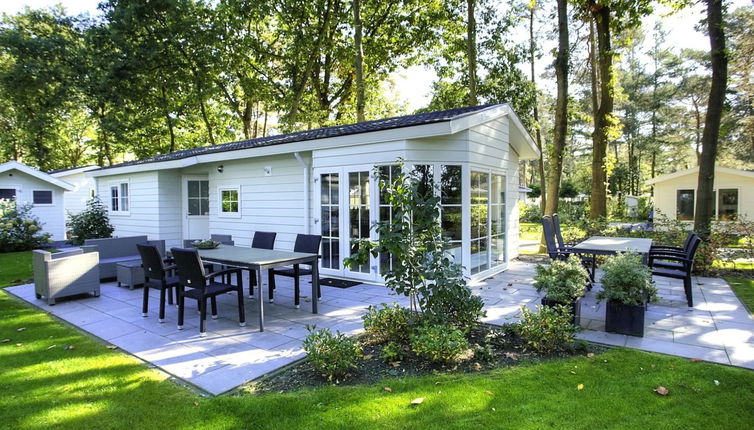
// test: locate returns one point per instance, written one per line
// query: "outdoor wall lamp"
(220, 168)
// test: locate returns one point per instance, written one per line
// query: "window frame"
(220, 212)
(52, 197)
(717, 202)
(119, 186)
(693, 204)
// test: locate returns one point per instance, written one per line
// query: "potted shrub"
(626, 286)
(564, 283)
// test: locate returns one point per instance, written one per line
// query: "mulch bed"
(373, 369)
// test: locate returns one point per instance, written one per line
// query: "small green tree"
(19, 229)
(91, 223)
(423, 267)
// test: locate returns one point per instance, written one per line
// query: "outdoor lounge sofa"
(117, 250)
(65, 274)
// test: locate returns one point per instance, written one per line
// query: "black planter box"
(575, 308)
(625, 319)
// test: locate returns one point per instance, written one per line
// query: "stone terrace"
(717, 329)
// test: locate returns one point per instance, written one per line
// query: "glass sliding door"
(359, 221)
(497, 220)
(330, 219)
(479, 231)
(387, 175)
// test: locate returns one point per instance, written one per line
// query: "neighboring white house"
(84, 187)
(45, 192)
(323, 181)
(675, 193)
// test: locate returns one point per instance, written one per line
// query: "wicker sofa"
(65, 274)
(117, 250)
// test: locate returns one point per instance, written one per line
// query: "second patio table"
(262, 260)
(603, 245)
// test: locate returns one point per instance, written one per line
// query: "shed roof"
(695, 171)
(527, 144)
(15, 165)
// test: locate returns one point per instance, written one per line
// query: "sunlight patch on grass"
(15, 268)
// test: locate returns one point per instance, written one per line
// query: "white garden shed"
(323, 181)
(44, 192)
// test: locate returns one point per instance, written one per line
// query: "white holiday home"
(323, 181)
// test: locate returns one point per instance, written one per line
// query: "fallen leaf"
(368, 357)
(19, 344)
(51, 346)
(6, 340)
(493, 409)
(417, 401)
(196, 403)
(395, 363)
(653, 366)
(572, 372)
(717, 382)
(21, 329)
(111, 347)
(580, 387)
(308, 300)
(661, 390)
(477, 367)
(695, 360)
(388, 389)
(69, 347)
(489, 393)
(590, 355)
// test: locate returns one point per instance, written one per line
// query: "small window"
(119, 198)
(42, 197)
(230, 202)
(727, 204)
(685, 205)
(7, 193)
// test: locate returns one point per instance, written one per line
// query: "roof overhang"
(75, 171)
(42, 176)
(520, 140)
(695, 171)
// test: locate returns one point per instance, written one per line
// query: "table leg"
(315, 285)
(260, 300)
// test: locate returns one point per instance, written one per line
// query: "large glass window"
(727, 204)
(451, 206)
(198, 197)
(330, 189)
(358, 211)
(425, 175)
(497, 220)
(685, 205)
(387, 175)
(479, 221)
(119, 197)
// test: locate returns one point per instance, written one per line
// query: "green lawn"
(46, 385)
(15, 268)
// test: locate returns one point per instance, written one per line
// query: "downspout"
(307, 194)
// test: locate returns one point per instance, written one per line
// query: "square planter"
(625, 319)
(575, 308)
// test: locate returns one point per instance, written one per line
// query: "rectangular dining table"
(604, 245)
(261, 260)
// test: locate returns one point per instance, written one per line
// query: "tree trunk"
(207, 122)
(705, 204)
(358, 60)
(471, 49)
(697, 130)
(168, 119)
(246, 120)
(561, 111)
(538, 129)
(598, 209)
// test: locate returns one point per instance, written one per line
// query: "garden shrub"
(529, 212)
(454, 305)
(390, 323)
(563, 281)
(627, 280)
(504, 337)
(439, 343)
(19, 229)
(547, 331)
(92, 223)
(333, 355)
(392, 351)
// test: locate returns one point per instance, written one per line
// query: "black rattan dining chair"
(308, 243)
(558, 251)
(195, 283)
(674, 249)
(676, 266)
(261, 240)
(157, 276)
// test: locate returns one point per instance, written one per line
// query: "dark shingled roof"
(50, 172)
(320, 133)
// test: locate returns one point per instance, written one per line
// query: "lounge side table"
(129, 273)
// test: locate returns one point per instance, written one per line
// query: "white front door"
(346, 212)
(195, 207)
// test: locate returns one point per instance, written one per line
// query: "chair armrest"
(89, 248)
(666, 247)
(223, 272)
(663, 255)
(169, 267)
(669, 257)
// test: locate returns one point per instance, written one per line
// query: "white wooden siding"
(143, 202)
(52, 216)
(75, 200)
